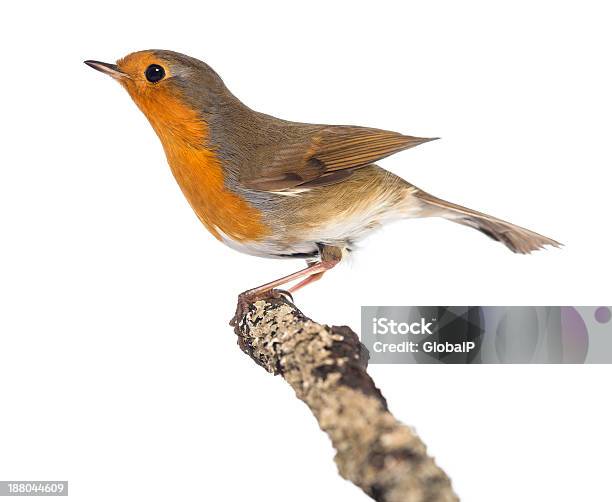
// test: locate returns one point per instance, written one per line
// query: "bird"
(280, 189)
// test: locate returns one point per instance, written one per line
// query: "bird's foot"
(249, 297)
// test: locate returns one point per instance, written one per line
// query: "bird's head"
(176, 92)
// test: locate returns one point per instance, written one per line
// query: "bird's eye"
(154, 73)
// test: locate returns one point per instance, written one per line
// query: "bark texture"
(326, 366)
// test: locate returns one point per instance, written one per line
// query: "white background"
(118, 371)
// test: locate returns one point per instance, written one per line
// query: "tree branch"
(326, 366)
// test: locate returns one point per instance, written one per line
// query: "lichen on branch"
(326, 366)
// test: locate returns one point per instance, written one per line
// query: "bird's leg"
(267, 290)
(305, 282)
(330, 257)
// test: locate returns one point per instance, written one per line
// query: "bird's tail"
(517, 239)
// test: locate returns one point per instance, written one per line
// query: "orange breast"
(198, 170)
(200, 176)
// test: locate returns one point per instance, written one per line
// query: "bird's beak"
(109, 69)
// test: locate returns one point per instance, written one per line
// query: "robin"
(278, 189)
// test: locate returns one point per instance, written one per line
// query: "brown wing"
(326, 155)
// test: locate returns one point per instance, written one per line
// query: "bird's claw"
(279, 293)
